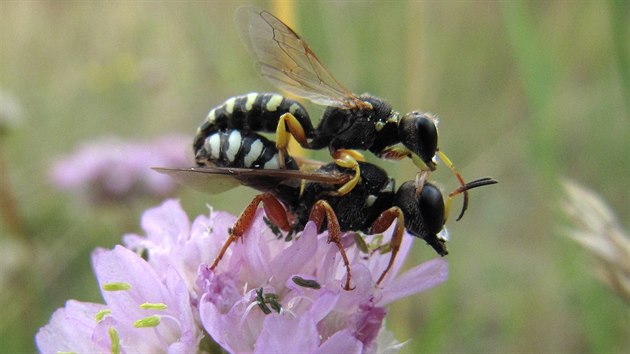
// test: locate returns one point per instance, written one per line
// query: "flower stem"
(8, 203)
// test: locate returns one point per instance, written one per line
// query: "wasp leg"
(288, 125)
(396, 152)
(274, 210)
(421, 178)
(381, 224)
(348, 159)
(425, 170)
(322, 210)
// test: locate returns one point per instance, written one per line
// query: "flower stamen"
(246, 312)
(113, 336)
(292, 302)
(116, 286)
(153, 306)
(101, 314)
(150, 321)
(306, 283)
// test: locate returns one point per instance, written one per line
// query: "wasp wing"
(196, 178)
(287, 61)
(215, 180)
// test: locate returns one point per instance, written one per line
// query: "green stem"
(8, 202)
(536, 70)
(620, 20)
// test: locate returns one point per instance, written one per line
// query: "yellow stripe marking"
(274, 102)
(251, 98)
(229, 105)
(212, 116)
(294, 107)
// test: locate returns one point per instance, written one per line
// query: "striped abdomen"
(234, 148)
(255, 112)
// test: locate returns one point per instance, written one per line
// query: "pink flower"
(328, 319)
(111, 169)
(266, 295)
(144, 312)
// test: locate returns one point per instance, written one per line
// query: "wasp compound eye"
(424, 213)
(419, 134)
(431, 204)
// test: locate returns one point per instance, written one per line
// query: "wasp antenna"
(461, 189)
(485, 181)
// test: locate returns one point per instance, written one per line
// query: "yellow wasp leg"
(288, 125)
(349, 159)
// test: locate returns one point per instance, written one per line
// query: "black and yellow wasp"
(350, 122)
(345, 195)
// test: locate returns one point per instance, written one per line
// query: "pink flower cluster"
(112, 169)
(266, 295)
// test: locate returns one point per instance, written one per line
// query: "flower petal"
(287, 334)
(341, 342)
(70, 329)
(416, 280)
(167, 222)
(139, 284)
(295, 257)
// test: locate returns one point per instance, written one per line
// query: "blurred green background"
(527, 92)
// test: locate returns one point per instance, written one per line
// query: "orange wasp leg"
(274, 210)
(288, 125)
(381, 224)
(322, 210)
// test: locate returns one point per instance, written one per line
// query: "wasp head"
(424, 213)
(418, 133)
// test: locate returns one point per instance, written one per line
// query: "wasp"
(350, 122)
(234, 158)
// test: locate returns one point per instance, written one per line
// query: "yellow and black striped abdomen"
(240, 149)
(253, 112)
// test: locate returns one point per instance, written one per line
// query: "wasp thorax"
(418, 132)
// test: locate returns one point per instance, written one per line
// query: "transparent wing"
(286, 60)
(215, 180)
(201, 181)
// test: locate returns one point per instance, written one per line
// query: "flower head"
(596, 228)
(111, 169)
(266, 295)
(144, 311)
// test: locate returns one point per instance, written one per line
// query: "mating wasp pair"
(349, 194)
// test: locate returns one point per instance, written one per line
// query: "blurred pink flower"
(266, 295)
(111, 169)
